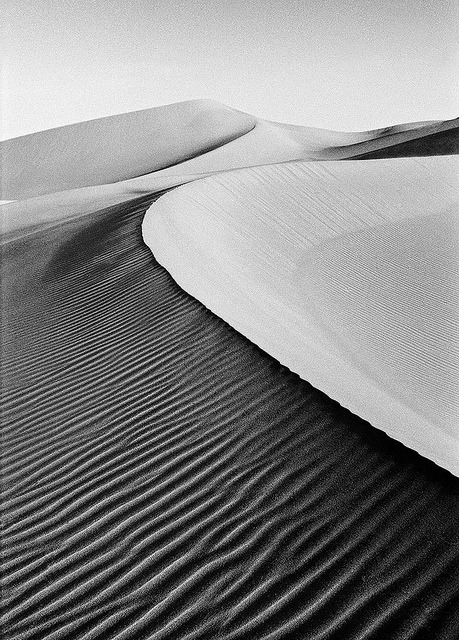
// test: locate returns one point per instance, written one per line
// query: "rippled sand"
(163, 476)
(167, 479)
(346, 267)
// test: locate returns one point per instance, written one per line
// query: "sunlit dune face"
(346, 272)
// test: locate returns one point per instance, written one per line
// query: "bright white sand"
(345, 272)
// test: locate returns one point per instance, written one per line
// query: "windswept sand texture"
(163, 477)
(348, 267)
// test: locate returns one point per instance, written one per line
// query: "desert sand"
(346, 267)
(115, 148)
(163, 475)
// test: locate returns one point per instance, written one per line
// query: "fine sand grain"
(346, 272)
(164, 478)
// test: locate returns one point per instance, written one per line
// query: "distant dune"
(195, 137)
(164, 476)
(115, 148)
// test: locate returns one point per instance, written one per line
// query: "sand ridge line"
(179, 480)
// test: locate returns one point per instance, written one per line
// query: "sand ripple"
(164, 478)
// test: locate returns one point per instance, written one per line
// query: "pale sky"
(338, 64)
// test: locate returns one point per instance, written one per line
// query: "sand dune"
(164, 478)
(346, 267)
(195, 137)
(435, 139)
(273, 142)
(115, 148)
(72, 171)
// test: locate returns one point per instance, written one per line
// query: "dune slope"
(162, 476)
(274, 142)
(165, 478)
(116, 147)
(346, 267)
(189, 138)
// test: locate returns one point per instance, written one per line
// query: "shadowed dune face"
(337, 266)
(441, 142)
(164, 478)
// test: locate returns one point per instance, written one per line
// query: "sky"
(347, 65)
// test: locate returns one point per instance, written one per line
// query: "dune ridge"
(163, 477)
(115, 148)
(190, 138)
(240, 140)
(266, 249)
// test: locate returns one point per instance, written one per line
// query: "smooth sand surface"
(346, 267)
(165, 478)
(115, 148)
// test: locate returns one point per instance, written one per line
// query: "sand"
(346, 267)
(193, 137)
(115, 148)
(163, 476)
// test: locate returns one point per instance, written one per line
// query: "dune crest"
(115, 148)
(274, 142)
(197, 137)
(259, 205)
(78, 169)
(345, 272)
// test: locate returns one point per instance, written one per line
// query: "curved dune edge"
(164, 478)
(263, 143)
(189, 138)
(115, 148)
(273, 143)
(24, 217)
(344, 272)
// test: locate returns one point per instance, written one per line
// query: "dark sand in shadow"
(164, 478)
